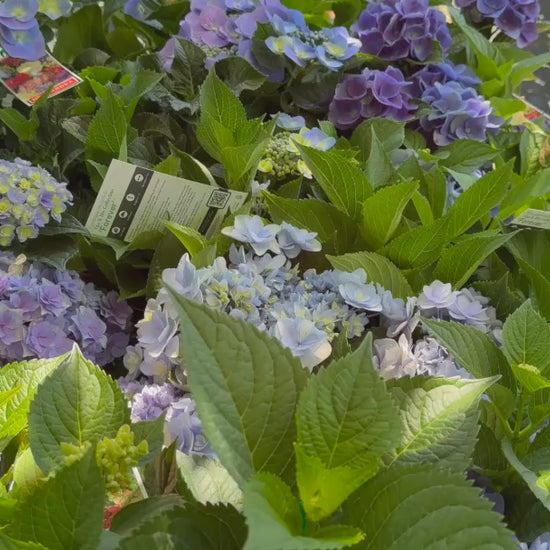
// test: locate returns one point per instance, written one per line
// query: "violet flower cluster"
(515, 18)
(371, 94)
(305, 312)
(397, 29)
(44, 311)
(282, 158)
(20, 34)
(457, 112)
(29, 196)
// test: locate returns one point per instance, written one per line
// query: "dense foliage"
(359, 358)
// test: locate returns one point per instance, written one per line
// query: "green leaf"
(23, 128)
(275, 521)
(344, 183)
(478, 200)
(246, 386)
(524, 69)
(345, 418)
(208, 480)
(530, 378)
(465, 155)
(239, 74)
(503, 299)
(133, 515)
(379, 166)
(25, 378)
(66, 512)
(193, 169)
(107, 132)
(78, 403)
(378, 268)
(420, 508)
(26, 474)
(7, 543)
(390, 133)
(526, 338)
(241, 163)
(151, 431)
(439, 417)
(420, 246)
(382, 212)
(193, 241)
(336, 231)
(473, 349)
(187, 68)
(530, 478)
(459, 262)
(171, 165)
(481, 45)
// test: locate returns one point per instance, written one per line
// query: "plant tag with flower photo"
(28, 80)
(539, 219)
(133, 200)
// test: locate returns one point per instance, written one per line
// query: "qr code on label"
(218, 199)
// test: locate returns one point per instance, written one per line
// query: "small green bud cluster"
(116, 457)
(280, 158)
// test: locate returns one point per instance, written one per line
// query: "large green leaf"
(66, 512)
(473, 349)
(187, 68)
(459, 261)
(465, 155)
(78, 403)
(390, 133)
(275, 521)
(25, 378)
(439, 418)
(478, 200)
(526, 338)
(336, 231)
(345, 418)
(420, 246)
(246, 386)
(382, 212)
(343, 182)
(7, 543)
(378, 269)
(530, 378)
(420, 508)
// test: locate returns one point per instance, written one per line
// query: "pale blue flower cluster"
(540, 543)
(305, 312)
(282, 158)
(44, 311)
(29, 196)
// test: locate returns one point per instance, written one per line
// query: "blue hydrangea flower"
(540, 543)
(29, 196)
(437, 295)
(457, 112)
(287, 122)
(396, 29)
(304, 340)
(361, 296)
(55, 9)
(293, 240)
(445, 72)
(20, 34)
(251, 230)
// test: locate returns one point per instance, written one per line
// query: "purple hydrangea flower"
(29, 196)
(442, 72)
(371, 94)
(540, 543)
(516, 18)
(457, 112)
(47, 339)
(151, 401)
(396, 29)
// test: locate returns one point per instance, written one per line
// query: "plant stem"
(519, 417)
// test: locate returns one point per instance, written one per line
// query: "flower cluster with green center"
(29, 196)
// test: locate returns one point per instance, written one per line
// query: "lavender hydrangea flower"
(304, 340)
(44, 311)
(251, 230)
(293, 240)
(540, 543)
(516, 18)
(371, 94)
(445, 72)
(361, 296)
(396, 29)
(437, 295)
(457, 113)
(29, 196)
(151, 401)
(184, 425)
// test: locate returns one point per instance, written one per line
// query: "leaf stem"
(519, 418)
